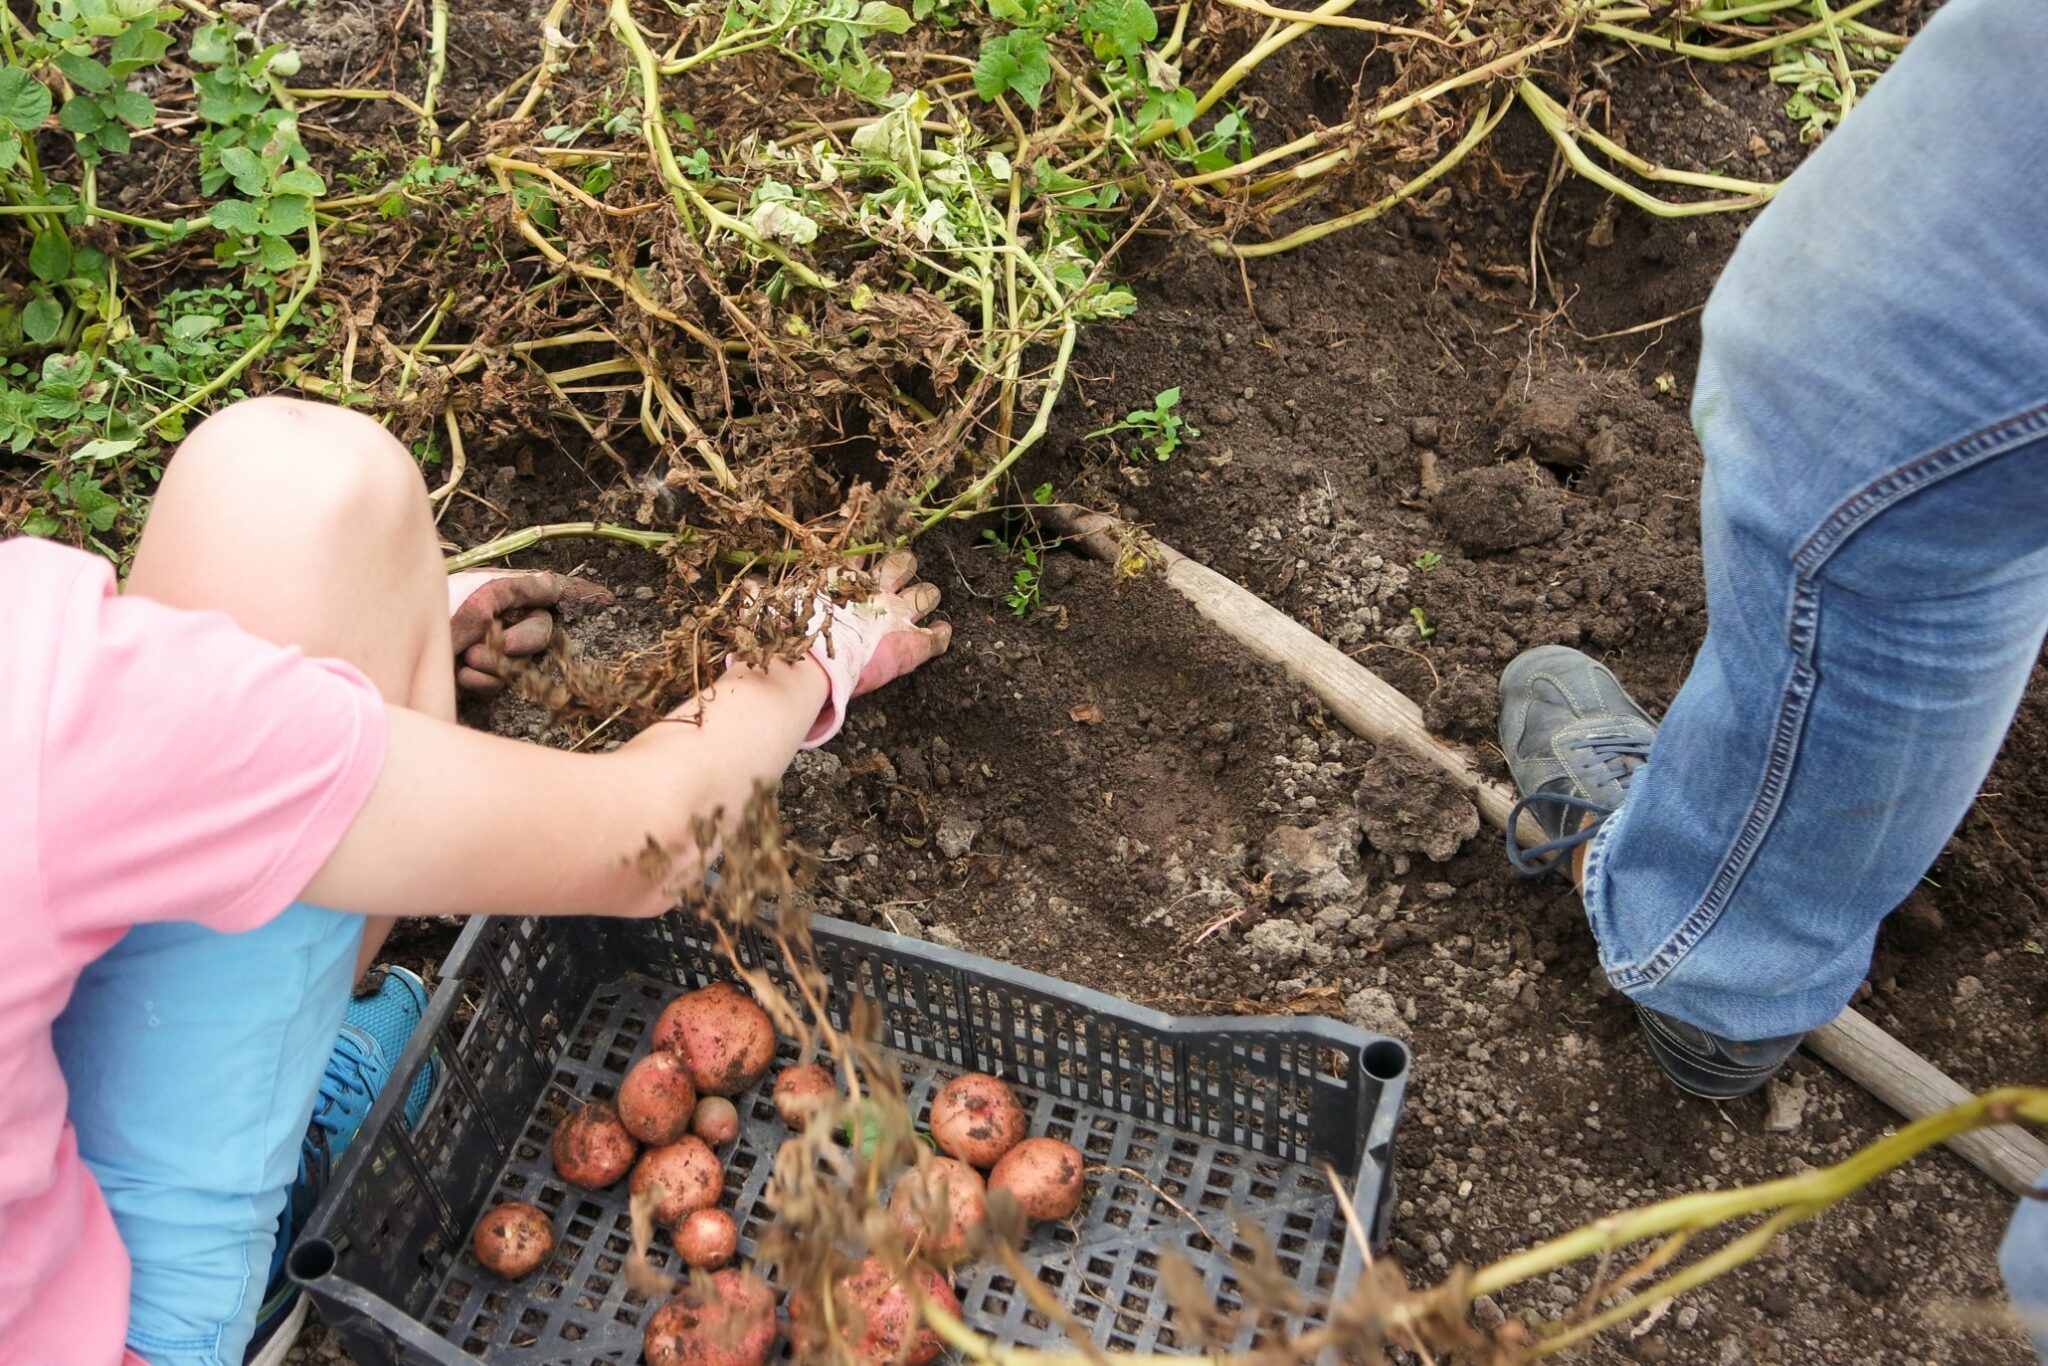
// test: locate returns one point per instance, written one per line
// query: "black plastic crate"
(1196, 1121)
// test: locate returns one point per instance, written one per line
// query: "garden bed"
(1092, 790)
(1434, 461)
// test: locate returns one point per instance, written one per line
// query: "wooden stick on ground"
(1369, 705)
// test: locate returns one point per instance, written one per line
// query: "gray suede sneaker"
(1574, 741)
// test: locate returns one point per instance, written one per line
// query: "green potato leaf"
(1017, 62)
(24, 100)
(85, 73)
(50, 256)
(41, 319)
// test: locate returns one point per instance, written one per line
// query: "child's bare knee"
(315, 457)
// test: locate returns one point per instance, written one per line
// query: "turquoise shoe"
(374, 1032)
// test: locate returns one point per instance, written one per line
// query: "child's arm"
(465, 823)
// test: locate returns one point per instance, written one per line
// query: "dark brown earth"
(1094, 790)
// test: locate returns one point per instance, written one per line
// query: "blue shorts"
(193, 1060)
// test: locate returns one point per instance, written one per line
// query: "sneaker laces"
(1621, 754)
(351, 1072)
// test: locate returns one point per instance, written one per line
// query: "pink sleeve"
(191, 771)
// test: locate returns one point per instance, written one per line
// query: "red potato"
(513, 1238)
(592, 1148)
(878, 1315)
(707, 1239)
(723, 1033)
(731, 1325)
(939, 1207)
(1044, 1176)
(801, 1091)
(657, 1098)
(715, 1121)
(976, 1118)
(689, 1174)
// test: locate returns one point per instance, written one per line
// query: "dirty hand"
(522, 602)
(867, 643)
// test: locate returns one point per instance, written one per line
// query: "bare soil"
(1093, 790)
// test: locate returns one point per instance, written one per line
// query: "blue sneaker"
(384, 1017)
(374, 1031)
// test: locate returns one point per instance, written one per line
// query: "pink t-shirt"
(155, 764)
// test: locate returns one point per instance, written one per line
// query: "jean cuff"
(1600, 913)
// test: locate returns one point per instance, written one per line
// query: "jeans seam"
(145, 1343)
(1802, 636)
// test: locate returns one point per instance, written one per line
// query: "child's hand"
(868, 643)
(523, 602)
(888, 624)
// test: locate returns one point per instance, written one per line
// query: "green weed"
(1159, 428)
(87, 388)
(1020, 539)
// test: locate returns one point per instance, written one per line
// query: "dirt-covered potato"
(731, 1324)
(724, 1034)
(657, 1098)
(592, 1148)
(976, 1118)
(716, 1121)
(878, 1316)
(1044, 1176)
(707, 1239)
(938, 1207)
(689, 1174)
(800, 1091)
(513, 1238)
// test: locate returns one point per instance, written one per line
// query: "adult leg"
(193, 1057)
(1873, 404)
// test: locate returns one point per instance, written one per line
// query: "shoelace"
(351, 1072)
(1622, 755)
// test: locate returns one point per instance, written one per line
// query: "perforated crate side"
(1113, 1078)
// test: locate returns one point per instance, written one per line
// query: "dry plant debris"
(805, 274)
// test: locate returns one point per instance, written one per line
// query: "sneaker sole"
(273, 1353)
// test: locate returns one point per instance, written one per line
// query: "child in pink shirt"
(217, 788)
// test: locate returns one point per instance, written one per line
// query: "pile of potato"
(673, 1114)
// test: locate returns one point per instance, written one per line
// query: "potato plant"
(792, 328)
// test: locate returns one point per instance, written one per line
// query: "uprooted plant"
(806, 275)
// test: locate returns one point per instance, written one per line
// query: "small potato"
(689, 1174)
(939, 1207)
(592, 1148)
(707, 1239)
(801, 1091)
(723, 1033)
(715, 1121)
(1044, 1176)
(731, 1325)
(976, 1118)
(513, 1238)
(878, 1315)
(657, 1097)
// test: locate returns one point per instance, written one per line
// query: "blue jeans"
(193, 1059)
(1873, 405)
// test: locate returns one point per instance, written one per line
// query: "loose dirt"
(1411, 449)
